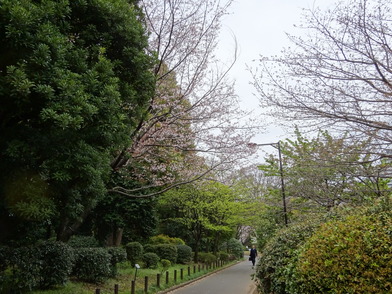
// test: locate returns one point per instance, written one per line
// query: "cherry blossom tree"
(338, 75)
(194, 124)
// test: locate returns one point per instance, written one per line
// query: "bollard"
(194, 269)
(189, 270)
(198, 267)
(182, 273)
(175, 275)
(116, 289)
(97, 291)
(158, 280)
(145, 284)
(133, 287)
(167, 277)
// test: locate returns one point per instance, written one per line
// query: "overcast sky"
(260, 28)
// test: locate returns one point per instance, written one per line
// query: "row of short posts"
(218, 263)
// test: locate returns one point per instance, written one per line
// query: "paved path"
(233, 280)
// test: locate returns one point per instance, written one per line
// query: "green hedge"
(276, 259)
(206, 258)
(117, 255)
(134, 252)
(151, 260)
(350, 256)
(167, 251)
(92, 264)
(184, 254)
(83, 242)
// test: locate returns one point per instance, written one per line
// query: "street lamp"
(281, 175)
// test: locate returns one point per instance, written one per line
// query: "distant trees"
(338, 75)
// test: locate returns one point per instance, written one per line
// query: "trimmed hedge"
(276, 259)
(57, 260)
(164, 239)
(117, 255)
(350, 256)
(83, 242)
(184, 254)
(134, 252)
(92, 264)
(41, 266)
(167, 251)
(151, 260)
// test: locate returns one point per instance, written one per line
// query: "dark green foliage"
(184, 254)
(206, 258)
(57, 260)
(223, 256)
(235, 247)
(73, 86)
(23, 271)
(83, 242)
(151, 260)
(276, 259)
(149, 248)
(349, 256)
(167, 251)
(42, 266)
(134, 252)
(117, 255)
(92, 264)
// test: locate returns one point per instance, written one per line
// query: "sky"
(260, 27)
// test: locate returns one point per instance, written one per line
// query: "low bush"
(92, 264)
(167, 251)
(223, 256)
(117, 255)
(57, 261)
(350, 256)
(134, 252)
(83, 242)
(184, 254)
(150, 260)
(165, 265)
(164, 239)
(274, 268)
(206, 258)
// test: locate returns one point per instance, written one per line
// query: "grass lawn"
(126, 274)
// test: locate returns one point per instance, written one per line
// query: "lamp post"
(281, 176)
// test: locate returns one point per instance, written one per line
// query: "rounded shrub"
(151, 260)
(167, 251)
(206, 258)
(134, 252)
(276, 259)
(149, 248)
(349, 256)
(235, 247)
(184, 254)
(224, 256)
(164, 239)
(83, 242)
(92, 264)
(57, 259)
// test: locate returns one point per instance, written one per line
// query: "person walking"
(253, 255)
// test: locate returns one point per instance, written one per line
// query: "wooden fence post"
(97, 291)
(182, 273)
(175, 275)
(167, 277)
(189, 270)
(158, 280)
(116, 289)
(146, 284)
(133, 287)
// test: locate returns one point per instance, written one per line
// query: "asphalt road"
(233, 280)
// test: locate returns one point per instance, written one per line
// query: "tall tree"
(74, 81)
(337, 75)
(192, 90)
